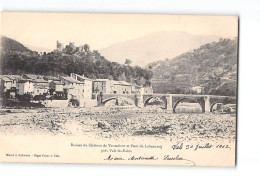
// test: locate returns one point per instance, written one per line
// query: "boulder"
(103, 125)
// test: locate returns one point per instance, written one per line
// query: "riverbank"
(116, 123)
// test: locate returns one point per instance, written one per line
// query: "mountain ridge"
(8, 44)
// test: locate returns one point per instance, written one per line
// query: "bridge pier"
(100, 99)
(169, 103)
(139, 101)
(207, 104)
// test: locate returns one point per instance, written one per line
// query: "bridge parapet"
(206, 101)
(172, 100)
(107, 97)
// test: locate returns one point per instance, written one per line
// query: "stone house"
(24, 87)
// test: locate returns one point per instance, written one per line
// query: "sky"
(42, 30)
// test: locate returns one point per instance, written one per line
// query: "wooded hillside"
(213, 66)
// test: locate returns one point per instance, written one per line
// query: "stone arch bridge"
(170, 100)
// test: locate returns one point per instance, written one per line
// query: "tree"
(70, 48)
(86, 47)
(128, 61)
(122, 77)
(141, 81)
(68, 61)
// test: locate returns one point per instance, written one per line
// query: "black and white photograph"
(108, 88)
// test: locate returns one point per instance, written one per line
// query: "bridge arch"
(118, 98)
(213, 104)
(160, 97)
(201, 102)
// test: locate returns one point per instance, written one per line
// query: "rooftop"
(31, 76)
(101, 80)
(70, 79)
(12, 77)
(23, 81)
(121, 83)
(50, 78)
(6, 79)
(40, 81)
(82, 77)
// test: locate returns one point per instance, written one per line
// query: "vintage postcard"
(118, 88)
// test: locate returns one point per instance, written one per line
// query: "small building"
(87, 87)
(147, 90)
(102, 85)
(40, 90)
(24, 87)
(120, 87)
(55, 87)
(136, 89)
(111, 86)
(73, 88)
(198, 90)
(6, 83)
(14, 79)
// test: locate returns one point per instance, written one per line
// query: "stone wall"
(56, 103)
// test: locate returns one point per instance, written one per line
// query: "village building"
(87, 87)
(198, 90)
(14, 79)
(6, 83)
(136, 89)
(40, 90)
(56, 88)
(24, 87)
(77, 90)
(115, 87)
(147, 90)
(120, 87)
(102, 85)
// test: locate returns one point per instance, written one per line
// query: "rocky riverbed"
(102, 122)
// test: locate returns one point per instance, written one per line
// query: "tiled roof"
(31, 76)
(101, 80)
(12, 77)
(121, 83)
(70, 79)
(4, 78)
(83, 77)
(23, 81)
(41, 81)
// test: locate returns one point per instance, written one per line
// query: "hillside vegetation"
(12, 45)
(17, 59)
(213, 65)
